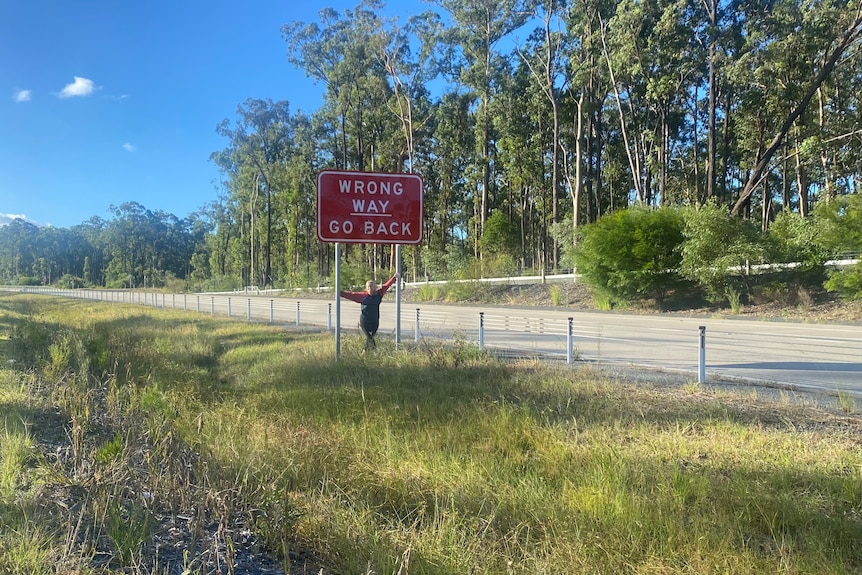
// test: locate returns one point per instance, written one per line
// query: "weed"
(428, 293)
(111, 451)
(127, 528)
(691, 387)
(556, 293)
(16, 449)
(734, 299)
(603, 302)
(846, 402)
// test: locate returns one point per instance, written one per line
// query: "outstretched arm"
(356, 296)
(385, 287)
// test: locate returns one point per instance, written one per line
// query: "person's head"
(371, 287)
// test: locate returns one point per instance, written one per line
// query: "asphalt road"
(805, 356)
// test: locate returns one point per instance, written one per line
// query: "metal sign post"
(337, 300)
(398, 297)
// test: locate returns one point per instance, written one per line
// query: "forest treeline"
(529, 121)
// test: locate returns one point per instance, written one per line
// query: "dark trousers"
(369, 329)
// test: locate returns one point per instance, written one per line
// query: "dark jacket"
(370, 302)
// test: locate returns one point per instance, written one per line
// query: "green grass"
(429, 460)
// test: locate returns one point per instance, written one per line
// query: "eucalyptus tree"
(319, 50)
(834, 32)
(145, 246)
(446, 157)
(340, 52)
(17, 248)
(651, 58)
(523, 122)
(298, 243)
(260, 140)
(544, 56)
(584, 135)
(476, 29)
(409, 70)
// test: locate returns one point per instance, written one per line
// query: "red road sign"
(369, 208)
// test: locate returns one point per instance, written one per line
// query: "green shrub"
(69, 281)
(27, 281)
(794, 238)
(846, 282)
(631, 254)
(840, 222)
(718, 250)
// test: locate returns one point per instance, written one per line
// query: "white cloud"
(80, 87)
(129, 147)
(6, 218)
(23, 95)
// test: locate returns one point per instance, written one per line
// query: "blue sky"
(108, 101)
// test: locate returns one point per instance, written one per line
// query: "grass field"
(152, 441)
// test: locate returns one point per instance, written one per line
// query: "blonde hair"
(370, 286)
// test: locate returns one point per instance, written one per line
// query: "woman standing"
(369, 315)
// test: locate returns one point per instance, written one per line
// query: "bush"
(69, 281)
(847, 283)
(718, 250)
(840, 222)
(794, 238)
(632, 254)
(27, 281)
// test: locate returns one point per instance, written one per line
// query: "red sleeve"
(385, 287)
(356, 296)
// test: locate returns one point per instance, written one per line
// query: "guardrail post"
(570, 352)
(416, 335)
(297, 314)
(481, 330)
(271, 311)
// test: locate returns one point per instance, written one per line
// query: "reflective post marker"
(570, 355)
(701, 364)
(481, 330)
(416, 330)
